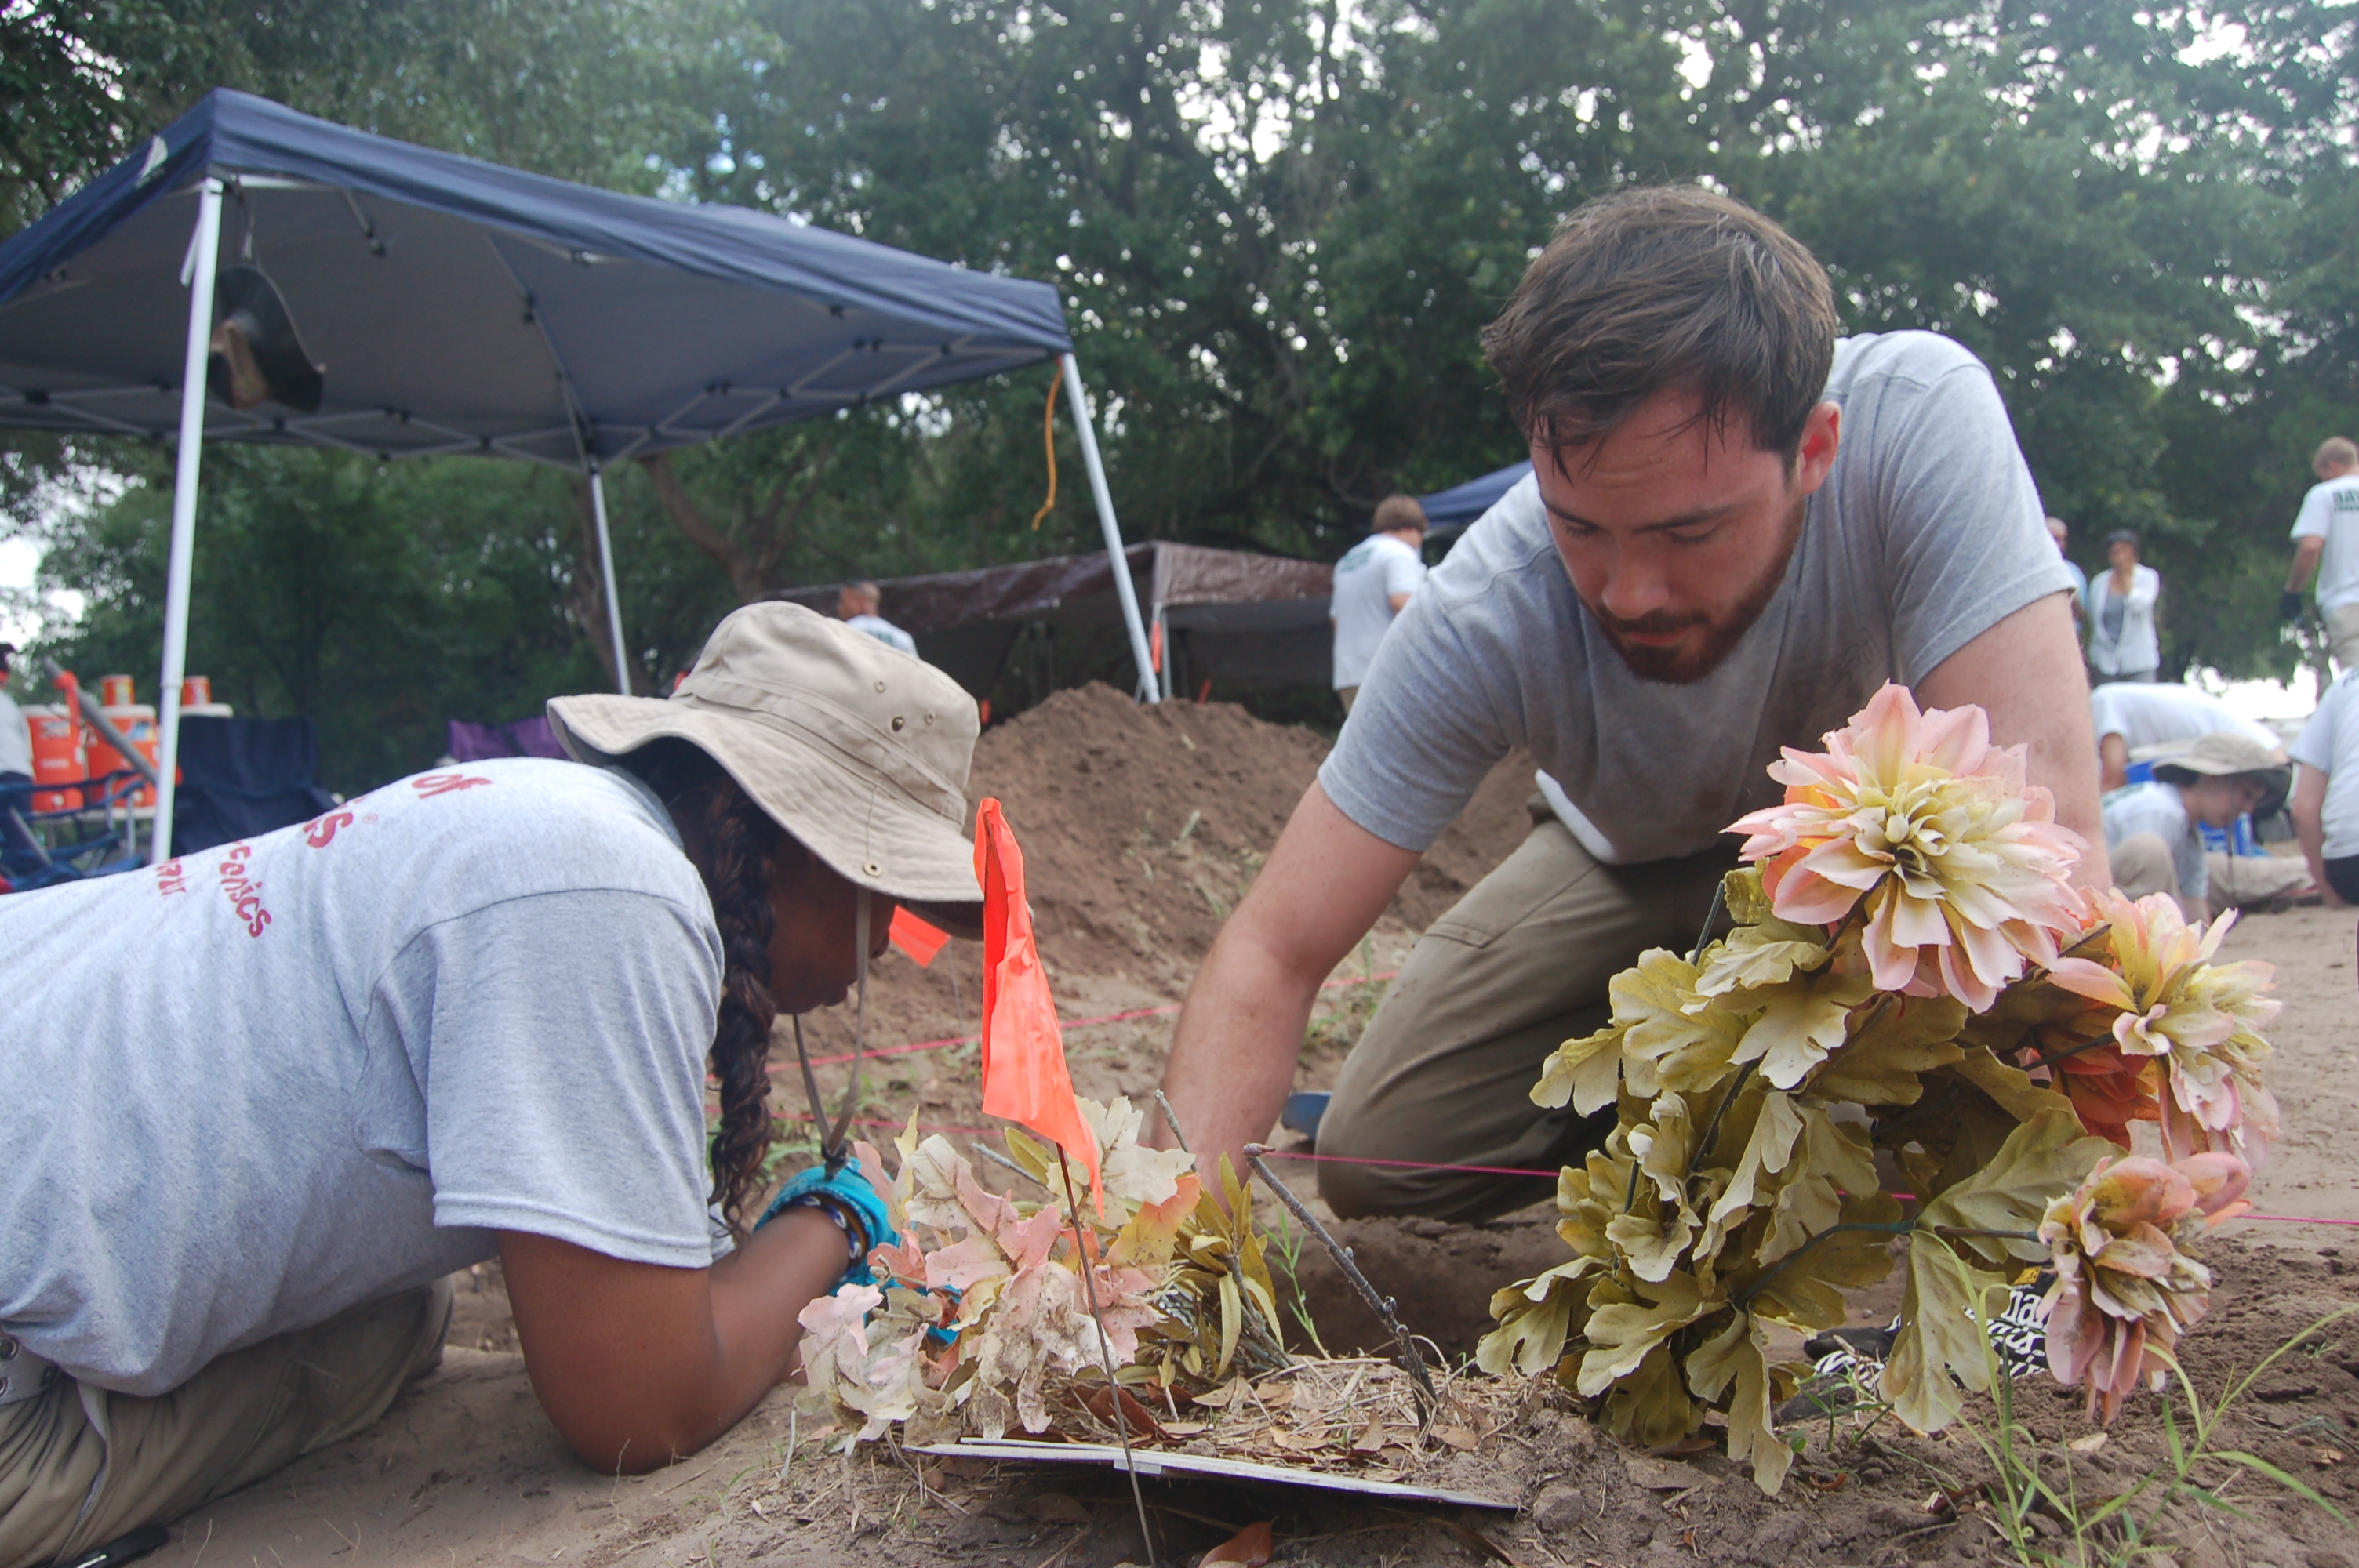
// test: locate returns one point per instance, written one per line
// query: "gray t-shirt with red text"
(1928, 532)
(259, 1085)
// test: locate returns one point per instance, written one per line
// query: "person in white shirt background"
(2152, 834)
(2326, 793)
(1374, 582)
(857, 604)
(2123, 644)
(2136, 722)
(2326, 541)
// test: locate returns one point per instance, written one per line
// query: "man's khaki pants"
(2342, 635)
(1443, 1075)
(2142, 864)
(79, 1466)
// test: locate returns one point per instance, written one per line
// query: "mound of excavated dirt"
(1142, 827)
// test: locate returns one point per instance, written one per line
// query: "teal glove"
(848, 1195)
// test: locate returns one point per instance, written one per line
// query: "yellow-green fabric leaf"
(1747, 899)
(1803, 1021)
(2040, 1161)
(1736, 1359)
(2011, 1087)
(1775, 1132)
(1836, 1160)
(1535, 1320)
(1665, 1025)
(1891, 1043)
(1652, 1406)
(1652, 1238)
(1621, 1332)
(1807, 1293)
(1753, 958)
(1942, 1333)
(1586, 1071)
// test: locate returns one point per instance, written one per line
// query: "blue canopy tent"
(1452, 511)
(459, 306)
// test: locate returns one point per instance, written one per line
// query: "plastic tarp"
(1257, 620)
(458, 306)
(1452, 511)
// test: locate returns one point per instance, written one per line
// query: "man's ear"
(1814, 458)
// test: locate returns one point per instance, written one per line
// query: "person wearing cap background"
(2123, 643)
(262, 1100)
(2326, 541)
(2150, 829)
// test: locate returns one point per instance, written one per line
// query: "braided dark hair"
(736, 846)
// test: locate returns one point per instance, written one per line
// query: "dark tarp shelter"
(459, 306)
(1255, 620)
(1451, 511)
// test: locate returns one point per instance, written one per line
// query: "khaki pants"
(2141, 865)
(79, 1466)
(2342, 635)
(1444, 1074)
(1347, 694)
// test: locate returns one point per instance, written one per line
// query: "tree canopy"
(1278, 226)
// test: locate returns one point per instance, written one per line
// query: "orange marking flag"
(1025, 1078)
(921, 939)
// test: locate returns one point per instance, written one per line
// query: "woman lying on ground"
(261, 1100)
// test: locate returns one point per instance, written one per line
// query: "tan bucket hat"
(2225, 752)
(858, 749)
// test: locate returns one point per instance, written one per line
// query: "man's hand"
(2025, 672)
(638, 1365)
(1240, 1029)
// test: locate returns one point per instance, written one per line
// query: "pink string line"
(1136, 1012)
(1437, 1165)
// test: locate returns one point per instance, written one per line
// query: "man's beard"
(1686, 665)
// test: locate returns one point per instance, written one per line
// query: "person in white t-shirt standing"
(2326, 793)
(1374, 583)
(2123, 640)
(2326, 541)
(857, 604)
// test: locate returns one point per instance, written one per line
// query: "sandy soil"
(1182, 804)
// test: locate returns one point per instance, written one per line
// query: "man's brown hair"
(1395, 512)
(2339, 450)
(1666, 287)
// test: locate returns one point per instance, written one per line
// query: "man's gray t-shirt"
(1928, 532)
(268, 1081)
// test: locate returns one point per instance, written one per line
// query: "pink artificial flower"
(2124, 1291)
(2200, 1018)
(1959, 862)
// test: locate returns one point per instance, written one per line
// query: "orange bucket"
(197, 691)
(58, 759)
(137, 722)
(116, 691)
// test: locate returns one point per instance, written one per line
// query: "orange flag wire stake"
(921, 939)
(1024, 1079)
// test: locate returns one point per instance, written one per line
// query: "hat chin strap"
(835, 1146)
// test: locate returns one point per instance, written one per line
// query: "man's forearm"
(1234, 1052)
(2305, 562)
(1240, 1029)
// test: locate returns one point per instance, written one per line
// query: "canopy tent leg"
(204, 253)
(1149, 689)
(606, 574)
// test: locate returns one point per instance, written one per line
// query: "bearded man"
(1737, 530)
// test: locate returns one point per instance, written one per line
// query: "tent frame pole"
(606, 577)
(1150, 688)
(204, 255)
